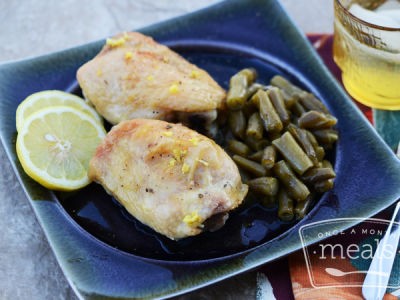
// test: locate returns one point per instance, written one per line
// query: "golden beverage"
(369, 57)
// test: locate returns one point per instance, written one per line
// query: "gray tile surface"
(28, 269)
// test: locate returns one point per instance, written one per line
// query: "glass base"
(371, 100)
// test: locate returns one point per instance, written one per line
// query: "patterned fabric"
(302, 289)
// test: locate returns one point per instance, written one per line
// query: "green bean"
(252, 143)
(285, 204)
(268, 157)
(319, 151)
(312, 139)
(298, 109)
(318, 174)
(256, 145)
(319, 164)
(237, 124)
(255, 127)
(251, 75)
(279, 105)
(285, 85)
(255, 101)
(249, 108)
(238, 148)
(301, 137)
(316, 120)
(264, 185)
(256, 156)
(250, 166)
(288, 99)
(239, 83)
(254, 89)
(324, 186)
(272, 122)
(268, 201)
(310, 102)
(237, 93)
(293, 153)
(327, 164)
(296, 189)
(326, 136)
(303, 207)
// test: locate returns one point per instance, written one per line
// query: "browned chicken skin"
(135, 77)
(171, 178)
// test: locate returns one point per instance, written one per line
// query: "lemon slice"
(56, 144)
(40, 100)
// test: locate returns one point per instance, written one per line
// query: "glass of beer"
(366, 47)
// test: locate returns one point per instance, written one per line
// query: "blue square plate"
(106, 253)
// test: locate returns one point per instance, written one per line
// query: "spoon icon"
(339, 273)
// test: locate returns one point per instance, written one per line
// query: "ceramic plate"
(104, 252)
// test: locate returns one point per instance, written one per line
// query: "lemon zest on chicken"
(192, 219)
(194, 74)
(128, 55)
(167, 133)
(203, 162)
(185, 168)
(194, 141)
(172, 162)
(115, 42)
(173, 89)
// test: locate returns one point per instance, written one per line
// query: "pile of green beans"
(281, 134)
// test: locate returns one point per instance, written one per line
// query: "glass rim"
(362, 21)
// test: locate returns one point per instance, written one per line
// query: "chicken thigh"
(168, 176)
(135, 77)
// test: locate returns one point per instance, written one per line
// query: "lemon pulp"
(55, 145)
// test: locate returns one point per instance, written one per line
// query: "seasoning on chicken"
(135, 77)
(168, 176)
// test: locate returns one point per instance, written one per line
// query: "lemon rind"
(20, 120)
